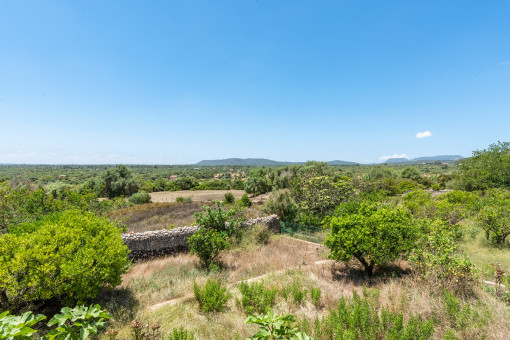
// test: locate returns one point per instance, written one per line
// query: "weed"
(212, 297)
(256, 298)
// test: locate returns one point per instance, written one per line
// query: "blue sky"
(169, 82)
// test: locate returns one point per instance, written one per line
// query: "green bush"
(436, 255)
(245, 201)
(274, 326)
(229, 198)
(298, 293)
(282, 204)
(140, 197)
(315, 295)
(181, 334)
(181, 199)
(256, 298)
(207, 245)
(372, 235)
(212, 297)
(360, 318)
(72, 258)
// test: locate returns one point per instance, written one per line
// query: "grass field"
(196, 196)
(160, 292)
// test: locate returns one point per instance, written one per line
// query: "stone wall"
(161, 242)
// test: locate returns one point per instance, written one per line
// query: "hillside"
(440, 158)
(257, 162)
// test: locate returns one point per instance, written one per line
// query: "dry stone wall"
(151, 244)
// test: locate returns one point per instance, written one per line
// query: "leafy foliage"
(229, 198)
(274, 326)
(372, 235)
(245, 201)
(73, 258)
(207, 245)
(117, 181)
(140, 197)
(494, 217)
(181, 334)
(18, 327)
(78, 322)
(282, 204)
(212, 297)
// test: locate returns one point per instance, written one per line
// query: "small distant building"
(173, 178)
(62, 176)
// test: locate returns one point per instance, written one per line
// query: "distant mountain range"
(442, 158)
(269, 162)
(257, 162)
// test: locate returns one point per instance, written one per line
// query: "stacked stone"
(151, 244)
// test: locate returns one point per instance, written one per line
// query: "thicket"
(71, 256)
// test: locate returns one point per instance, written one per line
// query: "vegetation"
(372, 235)
(212, 297)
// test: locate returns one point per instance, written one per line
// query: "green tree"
(318, 196)
(494, 216)
(117, 181)
(489, 168)
(411, 172)
(372, 235)
(256, 184)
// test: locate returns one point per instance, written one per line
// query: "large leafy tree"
(372, 235)
(118, 181)
(489, 168)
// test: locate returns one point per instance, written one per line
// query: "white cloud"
(385, 158)
(424, 134)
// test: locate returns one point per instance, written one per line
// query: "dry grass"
(283, 263)
(155, 216)
(196, 196)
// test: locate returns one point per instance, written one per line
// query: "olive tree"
(372, 235)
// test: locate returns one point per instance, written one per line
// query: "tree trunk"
(369, 268)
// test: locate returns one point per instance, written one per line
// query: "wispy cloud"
(504, 63)
(385, 158)
(424, 134)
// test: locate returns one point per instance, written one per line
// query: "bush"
(274, 326)
(181, 199)
(140, 197)
(359, 318)
(315, 295)
(245, 201)
(207, 245)
(256, 298)
(181, 334)
(282, 204)
(212, 297)
(72, 258)
(229, 198)
(372, 235)
(436, 255)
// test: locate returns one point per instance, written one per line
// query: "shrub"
(494, 217)
(140, 197)
(436, 255)
(256, 298)
(315, 295)
(72, 258)
(372, 235)
(282, 204)
(181, 334)
(359, 318)
(274, 326)
(218, 219)
(212, 297)
(181, 199)
(245, 201)
(229, 198)
(298, 293)
(207, 245)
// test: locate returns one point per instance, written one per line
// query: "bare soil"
(196, 196)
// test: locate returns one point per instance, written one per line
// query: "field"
(160, 292)
(196, 196)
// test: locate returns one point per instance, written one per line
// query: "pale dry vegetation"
(196, 196)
